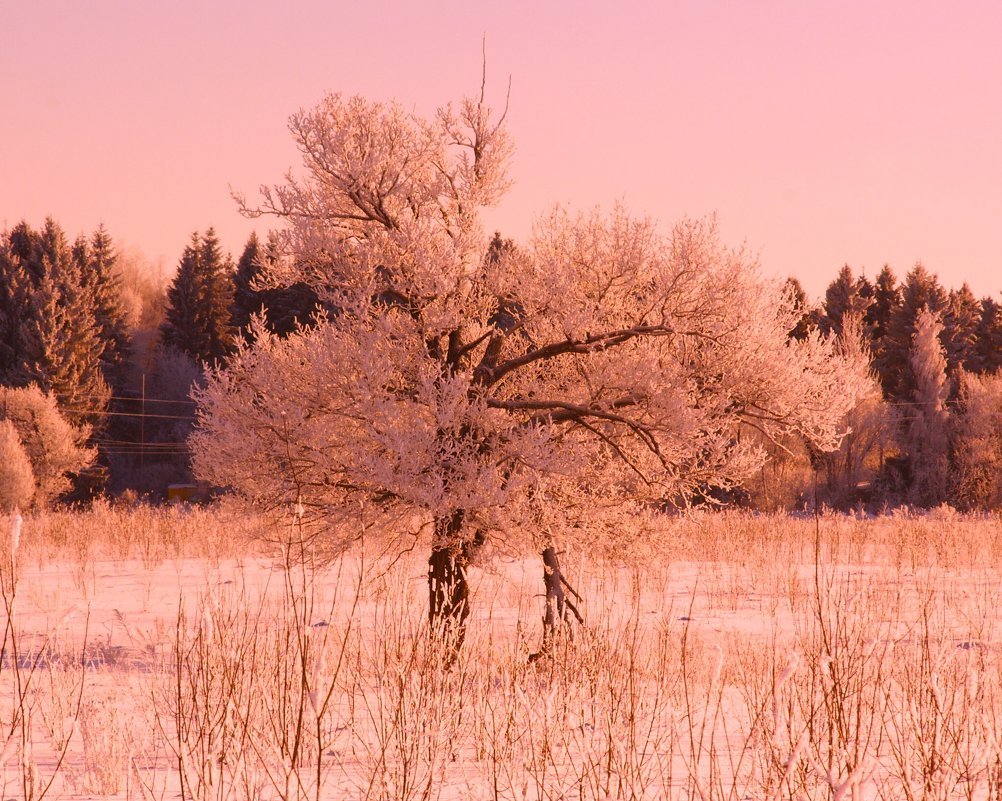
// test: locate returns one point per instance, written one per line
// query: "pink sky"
(821, 133)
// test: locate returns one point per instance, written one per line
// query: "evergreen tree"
(61, 344)
(48, 334)
(921, 290)
(284, 307)
(987, 357)
(865, 290)
(180, 328)
(929, 433)
(97, 262)
(214, 315)
(15, 291)
(199, 300)
(809, 317)
(246, 301)
(845, 296)
(886, 301)
(960, 331)
(26, 246)
(288, 307)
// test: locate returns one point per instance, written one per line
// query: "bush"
(17, 479)
(54, 446)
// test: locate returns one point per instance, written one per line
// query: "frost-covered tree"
(976, 443)
(175, 376)
(870, 425)
(929, 420)
(921, 290)
(55, 446)
(62, 350)
(516, 397)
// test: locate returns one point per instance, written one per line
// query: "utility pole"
(142, 424)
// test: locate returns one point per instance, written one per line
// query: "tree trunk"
(448, 586)
(555, 613)
(448, 593)
(555, 616)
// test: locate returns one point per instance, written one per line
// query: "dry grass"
(740, 657)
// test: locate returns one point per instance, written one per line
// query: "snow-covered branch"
(468, 380)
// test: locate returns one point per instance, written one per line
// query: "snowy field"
(155, 654)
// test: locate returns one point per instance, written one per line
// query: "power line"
(123, 443)
(128, 398)
(917, 403)
(139, 450)
(151, 400)
(130, 414)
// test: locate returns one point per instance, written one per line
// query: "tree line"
(971, 335)
(930, 431)
(97, 358)
(70, 329)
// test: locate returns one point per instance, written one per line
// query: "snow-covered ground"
(725, 663)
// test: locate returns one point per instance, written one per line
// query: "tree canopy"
(499, 390)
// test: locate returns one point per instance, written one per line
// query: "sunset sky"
(820, 133)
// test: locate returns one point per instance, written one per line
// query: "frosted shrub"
(17, 479)
(54, 446)
(105, 743)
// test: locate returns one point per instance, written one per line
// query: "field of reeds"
(156, 653)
